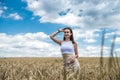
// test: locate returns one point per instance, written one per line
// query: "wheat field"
(52, 69)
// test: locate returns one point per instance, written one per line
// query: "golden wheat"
(52, 69)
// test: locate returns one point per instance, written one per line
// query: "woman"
(69, 49)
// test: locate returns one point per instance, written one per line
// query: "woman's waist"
(67, 55)
(69, 58)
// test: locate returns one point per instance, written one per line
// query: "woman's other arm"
(76, 50)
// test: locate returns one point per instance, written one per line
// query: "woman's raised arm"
(52, 36)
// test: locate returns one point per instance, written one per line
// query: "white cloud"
(82, 13)
(15, 16)
(69, 19)
(40, 45)
(1, 11)
(34, 36)
(109, 34)
(118, 32)
(87, 35)
(27, 45)
(89, 51)
(94, 51)
(5, 14)
(117, 40)
(5, 8)
(32, 18)
(117, 52)
(90, 40)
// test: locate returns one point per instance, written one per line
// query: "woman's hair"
(71, 37)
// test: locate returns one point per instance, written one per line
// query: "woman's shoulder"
(75, 43)
(61, 41)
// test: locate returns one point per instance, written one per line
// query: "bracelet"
(59, 31)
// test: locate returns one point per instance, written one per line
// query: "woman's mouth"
(66, 35)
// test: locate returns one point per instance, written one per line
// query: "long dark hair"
(71, 37)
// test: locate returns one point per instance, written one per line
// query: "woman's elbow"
(51, 36)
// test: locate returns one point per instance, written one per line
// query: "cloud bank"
(27, 45)
(40, 45)
(83, 13)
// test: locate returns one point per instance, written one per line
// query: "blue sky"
(25, 26)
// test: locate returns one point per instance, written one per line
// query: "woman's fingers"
(62, 29)
(72, 59)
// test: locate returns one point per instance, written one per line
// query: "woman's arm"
(76, 53)
(76, 50)
(52, 36)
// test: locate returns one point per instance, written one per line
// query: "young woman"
(69, 49)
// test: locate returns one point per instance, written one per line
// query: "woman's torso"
(67, 48)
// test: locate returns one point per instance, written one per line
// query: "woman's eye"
(66, 32)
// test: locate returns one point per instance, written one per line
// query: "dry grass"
(51, 69)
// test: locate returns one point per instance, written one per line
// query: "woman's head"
(68, 34)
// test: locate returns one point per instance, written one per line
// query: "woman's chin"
(67, 37)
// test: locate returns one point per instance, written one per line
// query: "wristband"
(59, 31)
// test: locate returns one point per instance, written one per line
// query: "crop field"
(52, 69)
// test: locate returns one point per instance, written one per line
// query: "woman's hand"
(61, 30)
(72, 58)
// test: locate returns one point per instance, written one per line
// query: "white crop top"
(67, 47)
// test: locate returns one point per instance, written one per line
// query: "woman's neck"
(67, 39)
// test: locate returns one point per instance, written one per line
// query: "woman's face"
(67, 33)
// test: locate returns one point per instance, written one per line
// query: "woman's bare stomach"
(67, 55)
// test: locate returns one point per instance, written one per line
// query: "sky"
(25, 26)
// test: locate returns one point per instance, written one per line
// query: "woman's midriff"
(66, 55)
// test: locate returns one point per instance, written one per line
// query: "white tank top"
(67, 47)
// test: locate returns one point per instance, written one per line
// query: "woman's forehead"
(66, 30)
